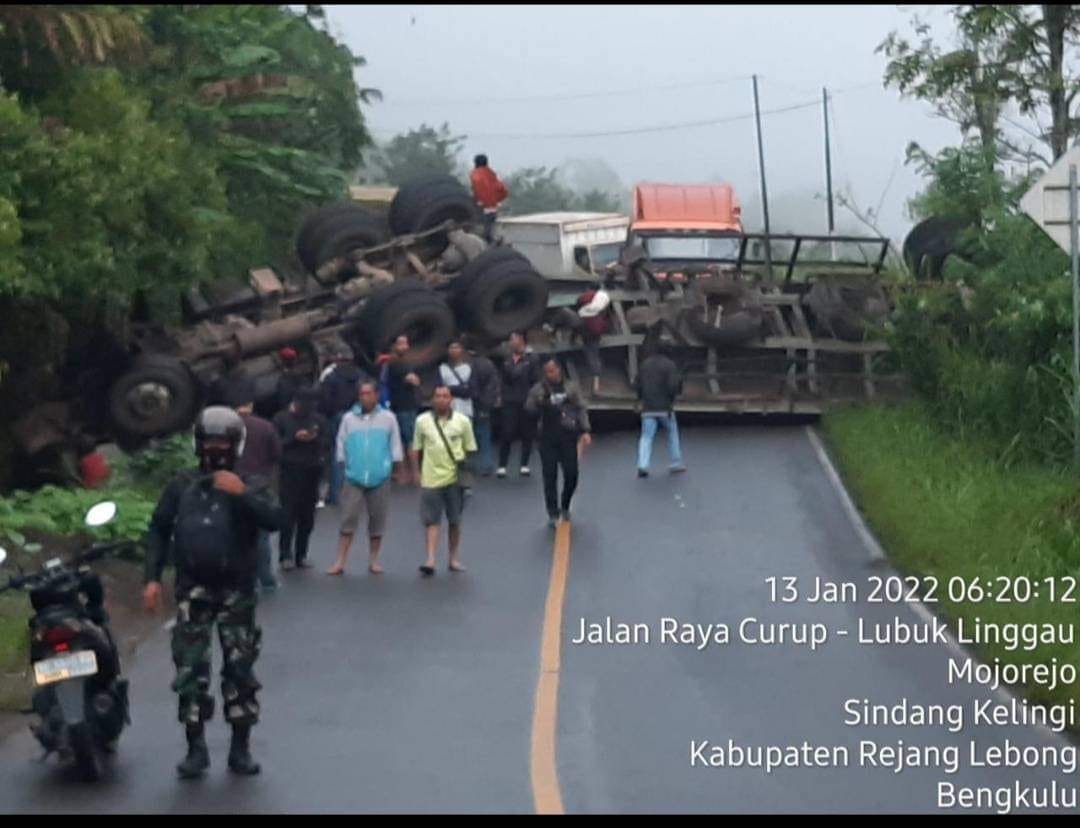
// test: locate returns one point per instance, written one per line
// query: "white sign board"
(1048, 200)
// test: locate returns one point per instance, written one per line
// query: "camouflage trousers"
(198, 609)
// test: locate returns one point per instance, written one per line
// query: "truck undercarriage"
(756, 330)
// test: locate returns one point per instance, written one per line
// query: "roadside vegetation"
(948, 508)
(974, 477)
(145, 149)
(48, 522)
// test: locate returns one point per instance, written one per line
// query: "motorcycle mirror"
(101, 513)
(3, 554)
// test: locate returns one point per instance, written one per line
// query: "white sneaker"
(501, 472)
(321, 504)
(525, 471)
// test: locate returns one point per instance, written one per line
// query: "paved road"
(395, 693)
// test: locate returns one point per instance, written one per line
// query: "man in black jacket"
(403, 384)
(487, 396)
(209, 522)
(658, 384)
(519, 373)
(305, 445)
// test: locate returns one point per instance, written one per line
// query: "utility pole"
(1074, 251)
(828, 171)
(764, 190)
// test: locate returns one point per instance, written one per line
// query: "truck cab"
(684, 228)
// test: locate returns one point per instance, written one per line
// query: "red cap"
(288, 354)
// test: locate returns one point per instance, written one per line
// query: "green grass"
(945, 508)
(14, 648)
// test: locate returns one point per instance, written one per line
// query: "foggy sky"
(472, 65)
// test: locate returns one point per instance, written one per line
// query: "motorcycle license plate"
(74, 665)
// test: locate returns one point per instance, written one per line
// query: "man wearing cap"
(289, 381)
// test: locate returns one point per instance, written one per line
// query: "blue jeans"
(650, 423)
(484, 460)
(406, 421)
(266, 572)
(337, 470)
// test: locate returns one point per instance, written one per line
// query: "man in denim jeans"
(657, 385)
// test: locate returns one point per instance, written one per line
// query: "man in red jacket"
(488, 191)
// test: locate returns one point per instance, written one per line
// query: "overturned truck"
(758, 323)
(755, 328)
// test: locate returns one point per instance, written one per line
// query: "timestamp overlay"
(745, 653)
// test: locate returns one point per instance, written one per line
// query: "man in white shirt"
(456, 374)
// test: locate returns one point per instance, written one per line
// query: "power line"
(571, 96)
(649, 129)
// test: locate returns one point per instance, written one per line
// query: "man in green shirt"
(444, 437)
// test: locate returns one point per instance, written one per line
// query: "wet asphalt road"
(397, 693)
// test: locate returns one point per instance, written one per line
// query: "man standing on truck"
(489, 193)
(658, 384)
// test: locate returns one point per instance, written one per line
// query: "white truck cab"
(570, 246)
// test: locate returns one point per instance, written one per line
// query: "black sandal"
(428, 570)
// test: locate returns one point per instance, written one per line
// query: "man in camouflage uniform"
(209, 521)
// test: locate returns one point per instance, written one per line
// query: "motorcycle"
(80, 696)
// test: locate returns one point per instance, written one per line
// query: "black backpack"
(206, 537)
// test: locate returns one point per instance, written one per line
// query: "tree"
(37, 40)
(1045, 35)
(968, 84)
(538, 190)
(1007, 54)
(599, 201)
(271, 97)
(583, 175)
(418, 152)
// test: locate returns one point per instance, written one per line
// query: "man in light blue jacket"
(368, 445)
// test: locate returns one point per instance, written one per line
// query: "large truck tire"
(741, 315)
(930, 243)
(426, 202)
(482, 263)
(306, 250)
(846, 309)
(158, 396)
(412, 309)
(503, 294)
(342, 234)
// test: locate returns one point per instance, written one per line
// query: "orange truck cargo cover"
(686, 207)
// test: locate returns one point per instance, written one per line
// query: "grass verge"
(948, 509)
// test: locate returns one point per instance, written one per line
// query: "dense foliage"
(145, 148)
(991, 349)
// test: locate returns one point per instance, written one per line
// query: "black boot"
(198, 757)
(240, 760)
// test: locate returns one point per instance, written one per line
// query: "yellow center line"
(547, 796)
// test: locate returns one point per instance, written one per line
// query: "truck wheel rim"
(149, 399)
